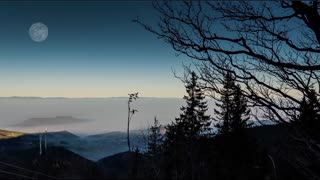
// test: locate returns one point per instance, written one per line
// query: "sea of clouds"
(84, 116)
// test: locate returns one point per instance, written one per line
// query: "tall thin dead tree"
(133, 96)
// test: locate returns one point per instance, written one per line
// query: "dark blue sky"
(93, 50)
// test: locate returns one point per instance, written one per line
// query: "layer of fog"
(101, 114)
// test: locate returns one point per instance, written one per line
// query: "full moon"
(38, 32)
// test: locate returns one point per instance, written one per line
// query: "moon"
(38, 32)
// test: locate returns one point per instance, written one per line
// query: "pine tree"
(234, 113)
(155, 139)
(193, 121)
(240, 111)
(224, 116)
(309, 117)
(182, 136)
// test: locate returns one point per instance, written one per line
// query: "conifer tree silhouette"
(233, 113)
(155, 138)
(309, 117)
(192, 121)
(183, 134)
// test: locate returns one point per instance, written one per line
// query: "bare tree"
(133, 96)
(271, 48)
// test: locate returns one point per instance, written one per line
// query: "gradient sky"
(93, 50)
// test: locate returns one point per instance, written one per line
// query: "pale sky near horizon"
(93, 50)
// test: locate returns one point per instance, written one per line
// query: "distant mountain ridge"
(93, 147)
(5, 134)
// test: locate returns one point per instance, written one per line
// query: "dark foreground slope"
(288, 157)
(266, 152)
(56, 162)
(121, 165)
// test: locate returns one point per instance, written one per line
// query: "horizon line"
(58, 97)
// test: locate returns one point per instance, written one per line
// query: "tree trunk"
(128, 135)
